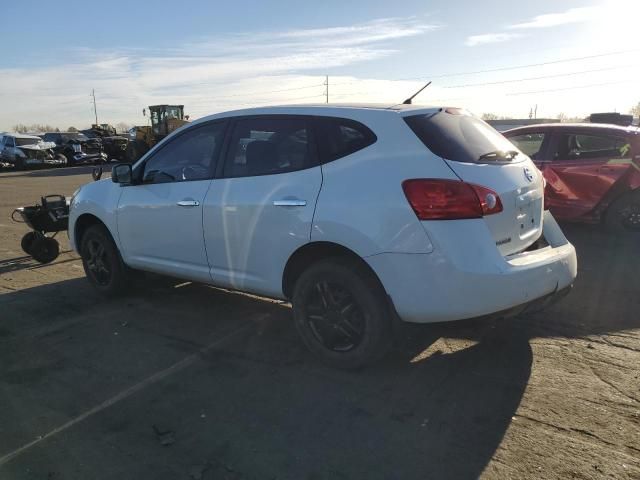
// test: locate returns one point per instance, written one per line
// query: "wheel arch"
(82, 223)
(312, 252)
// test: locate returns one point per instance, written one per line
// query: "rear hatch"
(479, 155)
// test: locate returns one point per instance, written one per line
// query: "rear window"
(457, 135)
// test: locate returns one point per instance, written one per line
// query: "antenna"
(408, 100)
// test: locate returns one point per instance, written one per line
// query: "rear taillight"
(436, 199)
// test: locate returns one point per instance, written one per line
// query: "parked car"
(592, 170)
(114, 145)
(23, 151)
(353, 214)
(77, 147)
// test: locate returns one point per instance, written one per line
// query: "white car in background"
(23, 151)
(356, 214)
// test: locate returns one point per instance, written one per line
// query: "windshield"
(456, 135)
(27, 141)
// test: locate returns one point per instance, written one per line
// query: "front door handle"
(290, 202)
(188, 203)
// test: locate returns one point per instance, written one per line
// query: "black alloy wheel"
(342, 312)
(102, 262)
(98, 264)
(334, 317)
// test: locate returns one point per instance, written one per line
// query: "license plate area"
(528, 214)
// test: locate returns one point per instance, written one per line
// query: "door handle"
(188, 203)
(290, 202)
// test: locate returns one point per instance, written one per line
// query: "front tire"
(102, 262)
(624, 214)
(342, 313)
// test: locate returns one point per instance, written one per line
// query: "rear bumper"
(465, 277)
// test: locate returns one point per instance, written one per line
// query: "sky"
(569, 57)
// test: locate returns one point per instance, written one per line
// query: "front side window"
(577, 146)
(529, 143)
(8, 142)
(269, 145)
(190, 156)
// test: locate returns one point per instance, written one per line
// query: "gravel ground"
(185, 381)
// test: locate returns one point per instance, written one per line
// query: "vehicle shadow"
(438, 406)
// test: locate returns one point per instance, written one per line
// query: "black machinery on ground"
(50, 216)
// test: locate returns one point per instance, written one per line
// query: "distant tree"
(20, 128)
(72, 129)
(489, 116)
(635, 111)
(123, 127)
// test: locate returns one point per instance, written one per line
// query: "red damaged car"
(592, 170)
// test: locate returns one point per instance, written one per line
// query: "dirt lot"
(184, 381)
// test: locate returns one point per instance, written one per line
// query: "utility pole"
(95, 109)
(326, 92)
(535, 112)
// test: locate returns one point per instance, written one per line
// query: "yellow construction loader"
(164, 120)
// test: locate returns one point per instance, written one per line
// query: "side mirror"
(122, 173)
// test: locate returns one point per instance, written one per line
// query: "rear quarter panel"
(362, 205)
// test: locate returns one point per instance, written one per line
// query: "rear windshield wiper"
(499, 155)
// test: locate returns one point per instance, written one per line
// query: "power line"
(501, 69)
(501, 82)
(270, 91)
(267, 102)
(571, 88)
(557, 75)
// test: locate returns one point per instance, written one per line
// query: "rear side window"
(456, 135)
(579, 146)
(529, 143)
(340, 137)
(270, 145)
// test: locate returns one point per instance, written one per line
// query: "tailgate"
(520, 188)
(478, 154)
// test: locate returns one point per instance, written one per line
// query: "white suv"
(356, 214)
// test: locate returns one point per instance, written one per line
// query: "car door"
(583, 167)
(8, 149)
(260, 209)
(160, 217)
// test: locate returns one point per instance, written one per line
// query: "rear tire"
(624, 214)
(45, 250)
(62, 159)
(102, 262)
(342, 313)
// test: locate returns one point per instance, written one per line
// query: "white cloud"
(475, 40)
(573, 15)
(207, 75)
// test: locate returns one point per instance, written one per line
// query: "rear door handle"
(290, 202)
(188, 203)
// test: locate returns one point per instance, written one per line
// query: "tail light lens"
(436, 199)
